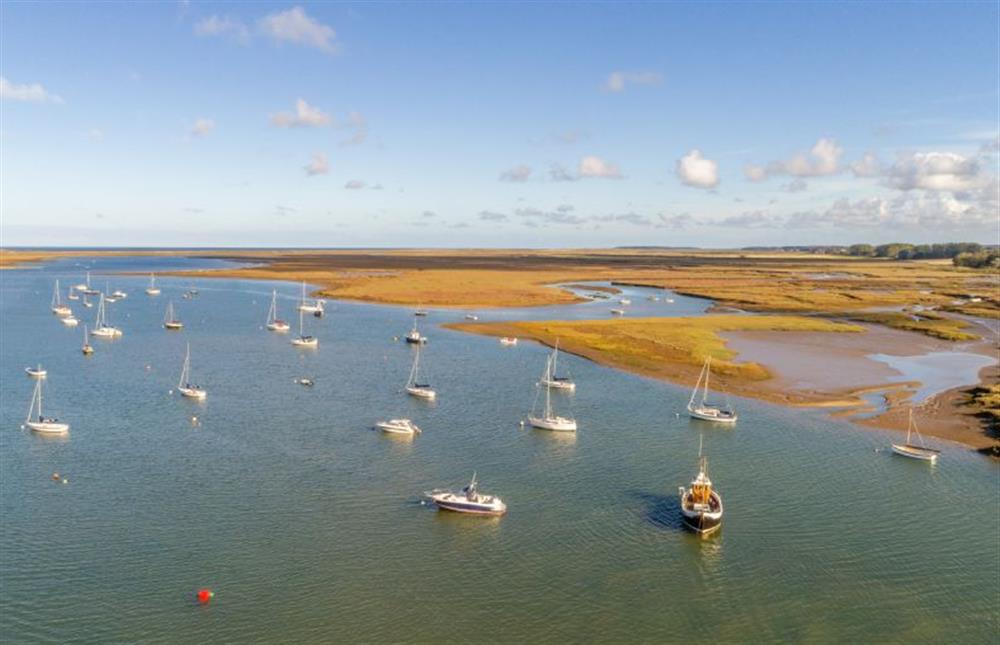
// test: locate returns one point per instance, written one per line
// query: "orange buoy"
(205, 596)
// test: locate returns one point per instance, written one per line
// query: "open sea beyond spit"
(309, 526)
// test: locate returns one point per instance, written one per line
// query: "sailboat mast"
(697, 385)
(708, 374)
(555, 357)
(548, 390)
(35, 396)
(55, 296)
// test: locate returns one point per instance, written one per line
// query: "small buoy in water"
(205, 596)
(65, 481)
(521, 422)
(149, 367)
(56, 476)
(194, 420)
(170, 391)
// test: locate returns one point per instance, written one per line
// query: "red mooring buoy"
(205, 596)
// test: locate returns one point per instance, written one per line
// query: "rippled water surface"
(309, 526)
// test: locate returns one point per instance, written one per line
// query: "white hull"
(556, 424)
(398, 426)
(714, 415)
(508, 342)
(47, 427)
(618, 312)
(557, 384)
(277, 326)
(35, 373)
(192, 392)
(915, 452)
(62, 310)
(310, 309)
(106, 332)
(120, 295)
(69, 321)
(305, 342)
(422, 393)
(152, 291)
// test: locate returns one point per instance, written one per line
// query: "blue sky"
(489, 124)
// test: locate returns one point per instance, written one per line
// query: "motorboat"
(36, 419)
(398, 426)
(471, 317)
(915, 450)
(469, 500)
(414, 337)
(704, 410)
(701, 505)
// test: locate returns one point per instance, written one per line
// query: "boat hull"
(62, 311)
(192, 393)
(422, 393)
(915, 452)
(306, 342)
(152, 292)
(395, 428)
(712, 414)
(173, 326)
(702, 522)
(555, 425)
(556, 384)
(278, 326)
(69, 321)
(47, 427)
(106, 332)
(455, 504)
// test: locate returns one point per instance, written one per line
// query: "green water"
(309, 526)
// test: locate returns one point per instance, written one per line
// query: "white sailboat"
(705, 410)
(87, 349)
(171, 321)
(87, 289)
(315, 307)
(549, 420)
(36, 419)
(102, 328)
(118, 293)
(303, 340)
(553, 380)
(71, 294)
(184, 385)
(273, 322)
(86, 302)
(915, 450)
(414, 386)
(508, 341)
(58, 308)
(152, 289)
(69, 321)
(108, 295)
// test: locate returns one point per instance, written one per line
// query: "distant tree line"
(968, 254)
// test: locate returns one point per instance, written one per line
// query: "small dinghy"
(305, 381)
(36, 372)
(469, 500)
(705, 410)
(701, 505)
(508, 341)
(118, 293)
(915, 450)
(471, 317)
(414, 386)
(36, 419)
(398, 426)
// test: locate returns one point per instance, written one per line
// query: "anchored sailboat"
(102, 328)
(86, 349)
(184, 385)
(913, 450)
(303, 340)
(414, 386)
(705, 410)
(36, 419)
(315, 307)
(273, 322)
(701, 505)
(87, 289)
(58, 308)
(152, 289)
(71, 294)
(555, 381)
(549, 419)
(170, 321)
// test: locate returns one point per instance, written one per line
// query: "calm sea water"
(309, 526)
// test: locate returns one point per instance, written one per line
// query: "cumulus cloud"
(305, 116)
(296, 27)
(355, 184)
(821, 160)
(517, 174)
(618, 81)
(318, 165)
(591, 166)
(695, 170)
(222, 26)
(866, 166)
(358, 125)
(754, 172)
(29, 93)
(491, 216)
(940, 171)
(201, 128)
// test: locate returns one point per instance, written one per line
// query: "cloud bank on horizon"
(341, 124)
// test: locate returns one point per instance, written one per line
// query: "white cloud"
(491, 216)
(752, 219)
(517, 174)
(201, 127)
(294, 26)
(796, 185)
(821, 160)
(318, 165)
(305, 116)
(222, 26)
(591, 166)
(754, 172)
(867, 166)
(358, 125)
(618, 81)
(355, 184)
(33, 93)
(694, 170)
(943, 171)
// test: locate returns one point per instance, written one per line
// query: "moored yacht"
(469, 500)
(564, 383)
(171, 321)
(549, 420)
(416, 387)
(618, 312)
(184, 385)
(87, 349)
(69, 321)
(701, 505)
(398, 426)
(414, 337)
(103, 329)
(36, 419)
(273, 322)
(152, 289)
(508, 341)
(704, 410)
(36, 372)
(58, 308)
(915, 450)
(315, 307)
(303, 340)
